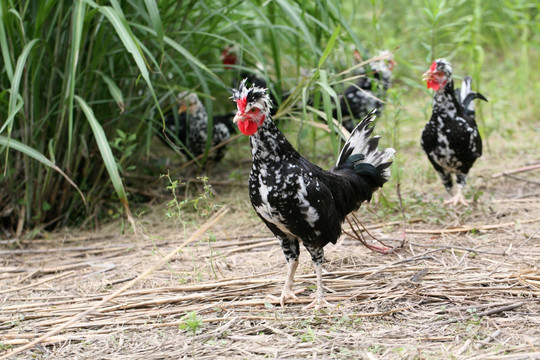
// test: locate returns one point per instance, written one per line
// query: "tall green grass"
(84, 84)
(78, 76)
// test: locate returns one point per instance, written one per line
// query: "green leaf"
(46, 206)
(327, 103)
(294, 17)
(4, 46)
(115, 91)
(329, 47)
(76, 35)
(130, 42)
(183, 51)
(153, 11)
(125, 36)
(104, 149)
(17, 76)
(36, 155)
(15, 111)
(13, 107)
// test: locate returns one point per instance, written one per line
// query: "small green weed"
(375, 349)
(4, 347)
(191, 322)
(475, 319)
(210, 239)
(203, 204)
(124, 144)
(308, 335)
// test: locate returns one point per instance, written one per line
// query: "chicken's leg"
(319, 295)
(291, 249)
(287, 292)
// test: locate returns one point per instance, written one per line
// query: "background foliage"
(84, 84)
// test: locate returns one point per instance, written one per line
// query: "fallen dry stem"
(199, 232)
(518, 170)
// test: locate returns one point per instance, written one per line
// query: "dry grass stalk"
(470, 228)
(37, 283)
(207, 225)
(428, 295)
(518, 170)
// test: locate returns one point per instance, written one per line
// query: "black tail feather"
(470, 97)
(361, 167)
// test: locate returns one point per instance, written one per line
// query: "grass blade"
(17, 77)
(130, 43)
(36, 155)
(181, 50)
(126, 37)
(115, 91)
(153, 11)
(76, 34)
(14, 112)
(13, 109)
(292, 13)
(329, 47)
(327, 103)
(107, 155)
(4, 46)
(104, 148)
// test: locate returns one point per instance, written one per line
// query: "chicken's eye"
(253, 110)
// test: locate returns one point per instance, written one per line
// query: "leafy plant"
(308, 335)
(375, 349)
(203, 203)
(191, 322)
(125, 145)
(475, 319)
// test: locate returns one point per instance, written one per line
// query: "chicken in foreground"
(189, 127)
(450, 138)
(297, 200)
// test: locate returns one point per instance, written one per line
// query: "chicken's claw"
(318, 303)
(285, 295)
(457, 199)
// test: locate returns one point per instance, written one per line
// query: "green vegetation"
(191, 322)
(84, 84)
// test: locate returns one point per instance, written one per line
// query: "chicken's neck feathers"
(446, 106)
(269, 144)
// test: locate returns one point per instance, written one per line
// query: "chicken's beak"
(428, 75)
(182, 109)
(238, 117)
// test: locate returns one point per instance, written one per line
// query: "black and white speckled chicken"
(297, 200)
(450, 138)
(368, 91)
(189, 124)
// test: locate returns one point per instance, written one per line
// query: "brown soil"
(464, 284)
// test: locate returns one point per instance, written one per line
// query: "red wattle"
(432, 84)
(247, 127)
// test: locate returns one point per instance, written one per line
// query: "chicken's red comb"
(242, 103)
(433, 66)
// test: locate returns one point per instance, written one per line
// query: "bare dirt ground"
(465, 284)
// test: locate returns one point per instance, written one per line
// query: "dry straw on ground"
(465, 291)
